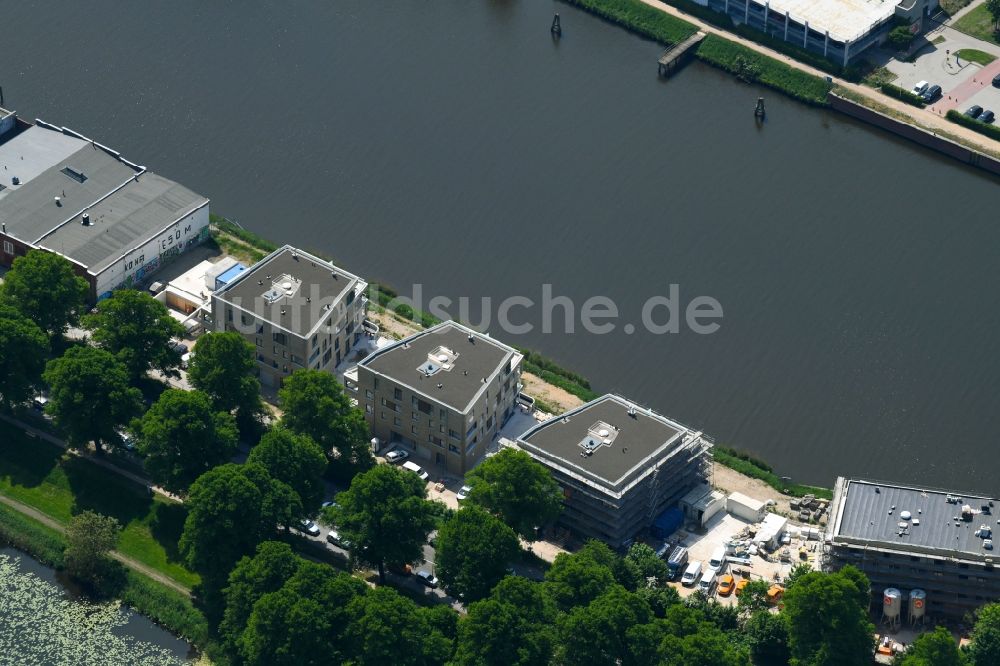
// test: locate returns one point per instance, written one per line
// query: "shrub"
(900, 36)
(748, 466)
(962, 119)
(790, 49)
(902, 94)
(248, 237)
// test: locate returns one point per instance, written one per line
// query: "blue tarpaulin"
(667, 522)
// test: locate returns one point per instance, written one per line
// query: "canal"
(455, 144)
(45, 620)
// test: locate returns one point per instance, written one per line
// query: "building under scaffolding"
(620, 465)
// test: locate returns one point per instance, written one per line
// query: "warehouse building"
(620, 466)
(441, 394)
(836, 29)
(931, 546)
(116, 222)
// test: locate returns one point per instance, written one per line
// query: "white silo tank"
(892, 604)
(917, 606)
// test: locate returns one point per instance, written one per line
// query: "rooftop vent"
(75, 174)
(85, 219)
(15, 180)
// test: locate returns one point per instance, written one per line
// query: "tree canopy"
(385, 516)
(44, 288)
(386, 628)
(473, 551)
(24, 348)
(223, 367)
(828, 618)
(137, 329)
(986, 636)
(294, 459)
(90, 538)
(314, 404)
(517, 489)
(577, 579)
(606, 631)
(90, 396)
(182, 438)
(934, 648)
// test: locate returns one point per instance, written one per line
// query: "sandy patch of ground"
(552, 395)
(392, 327)
(732, 482)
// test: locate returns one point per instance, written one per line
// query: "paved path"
(52, 523)
(957, 96)
(925, 117)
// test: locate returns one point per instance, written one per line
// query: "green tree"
(514, 626)
(385, 515)
(473, 551)
(517, 489)
(933, 648)
(137, 329)
(90, 538)
(754, 597)
(90, 396)
(231, 509)
(600, 632)
(386, 628)
(986, 636)
(767, 638)
(267, 571)
(576, 579)
(827, 622)
(294, 459)
(182, 438)
(660, 599)
(314, 404)
(23, 348)
(44, 288)
(798, 571)
(302, 622)
(223, 366)
(901, 37)
(648, 564)
(993, 7)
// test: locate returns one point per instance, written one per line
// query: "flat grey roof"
(125, 220)
(317, 290)
(477, 359)
(869, 513)
(639, 440)
(128, 206)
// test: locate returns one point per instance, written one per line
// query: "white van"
(691, 574)
(718, 561)
(416, 469)
(707, 583)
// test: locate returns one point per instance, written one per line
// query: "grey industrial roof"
(869, 513)
(477, 359)
(127, 205)
(640, 440)
(125, 220)
(318, 284)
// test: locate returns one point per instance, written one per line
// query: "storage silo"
(892, 605)
(917, 606)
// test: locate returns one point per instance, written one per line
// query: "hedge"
(640, 19)
(974, 125)
(903, 95)
(801, 85)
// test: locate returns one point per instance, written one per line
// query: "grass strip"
(756, 68)
(902, 94)
(640, 18)
(975, 55)
(750, 466)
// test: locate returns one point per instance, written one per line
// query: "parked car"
(416, 469)
(463, 493)
(327, 504)
(427, 578)
(186, 360)
(337, 539)
(726, 584)
(931, 94)
(307, 526)
(717, 563)
(996, 80)
(127, 441)
(920, 88)
(740, 585)
(39, 402)
(691, 574)
(707, 583)
(396, 456)
(987, 117)
(974, 111)
(178, 347)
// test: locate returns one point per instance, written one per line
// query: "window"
(414, 416)
(435, 440)
(368, 408)
(258, 342)
(8, 247)
(413, 429)
(425, 407)
(280, 338)
(444, 415)
(453, 434)
(336, 343)
(453, 448)
(397, 393)
(397, 421)
(246, 319)
(369, 394)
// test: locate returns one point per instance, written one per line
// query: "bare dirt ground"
(393, 327)
(733, 482)
(552, 395)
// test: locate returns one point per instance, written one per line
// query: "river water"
(454, 144)
(44, 620)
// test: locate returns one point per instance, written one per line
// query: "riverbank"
(746, 58)
(165, 606)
